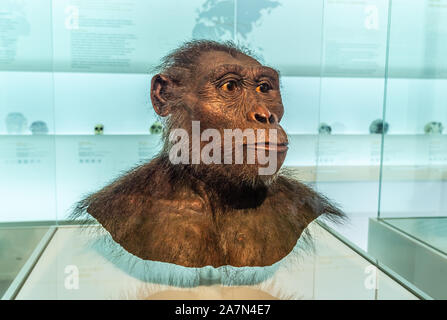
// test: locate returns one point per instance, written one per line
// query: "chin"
(249, 175)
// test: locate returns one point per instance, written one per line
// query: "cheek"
(219, 113)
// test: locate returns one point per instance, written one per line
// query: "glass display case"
(364, 89)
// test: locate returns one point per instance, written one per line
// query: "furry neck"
(222, 189)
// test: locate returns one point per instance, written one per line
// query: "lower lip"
(269, 147)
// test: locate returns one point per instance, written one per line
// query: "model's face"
(237, 93)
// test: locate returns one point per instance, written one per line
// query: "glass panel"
(413, 205)
(352, 86)
(27, 145)
(75, 113)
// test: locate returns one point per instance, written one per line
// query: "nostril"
(261, 118)
(272, 119)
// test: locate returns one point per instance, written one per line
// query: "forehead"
(210, 58)
(212, 63)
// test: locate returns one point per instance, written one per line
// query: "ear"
(160, 87)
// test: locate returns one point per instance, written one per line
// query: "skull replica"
(99, 129)
(156, 128)
(433, 127)
(38, 127)
(378, 127)
(16, 123)
(324, 128)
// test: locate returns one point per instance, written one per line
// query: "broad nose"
(262, 115)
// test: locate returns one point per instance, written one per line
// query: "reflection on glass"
(412, 208)
(16, 246)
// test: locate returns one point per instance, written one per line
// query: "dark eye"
(229, 86)
(263, 87)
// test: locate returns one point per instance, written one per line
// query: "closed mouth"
(278, 147)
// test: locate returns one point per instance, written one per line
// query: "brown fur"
(198, 215)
